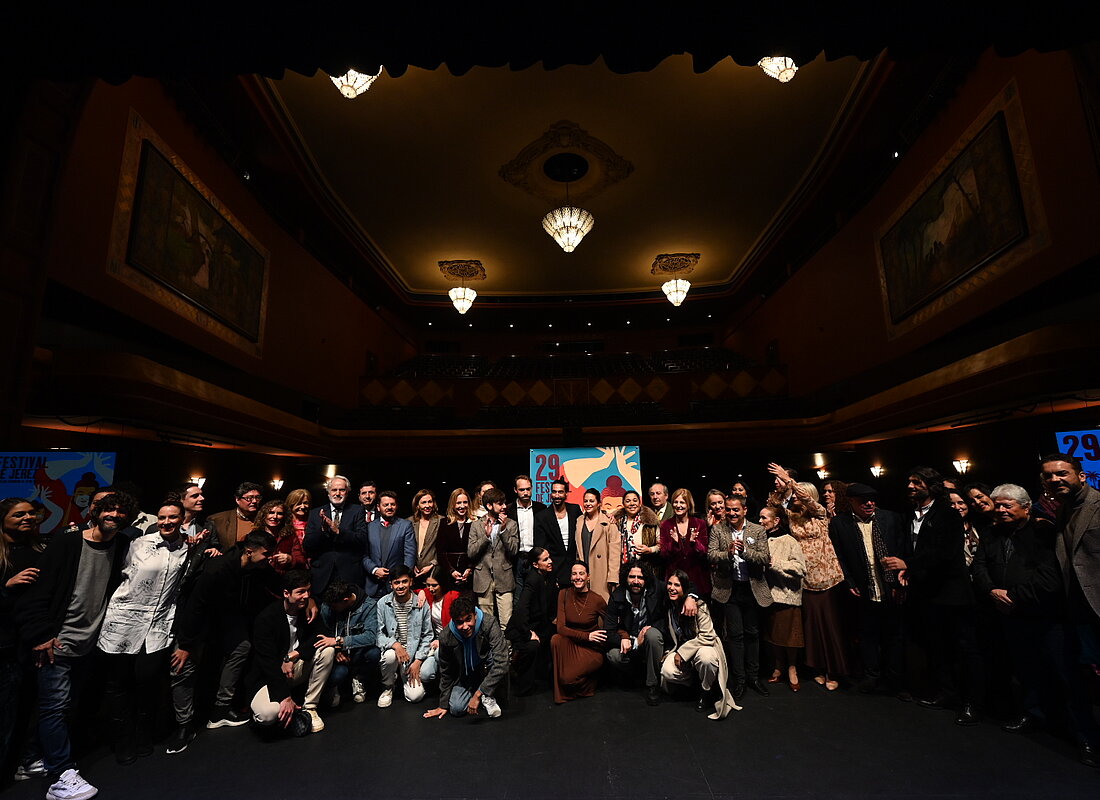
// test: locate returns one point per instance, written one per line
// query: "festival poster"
(59, 484)
(1085, 445)
(611, 470)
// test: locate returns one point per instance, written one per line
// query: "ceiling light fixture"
(462, 270)
(675, 290)
(779, 67)
(567, 224)
(462, 297)
(352, 84)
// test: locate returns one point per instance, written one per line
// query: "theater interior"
(217, 265)
(826, 324)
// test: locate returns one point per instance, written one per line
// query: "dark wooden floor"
(812, 744)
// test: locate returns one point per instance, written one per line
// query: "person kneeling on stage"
(405, 639)
(473, 659)
(634, 618)
(288, 651)
(695, 651)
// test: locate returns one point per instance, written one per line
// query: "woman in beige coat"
(783, 630)
(599, 545)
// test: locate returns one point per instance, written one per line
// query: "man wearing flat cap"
(862, 539)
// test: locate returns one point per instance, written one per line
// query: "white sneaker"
(317, 723)
(34, 769)
(70, 786)
(385, 700)
(358, 691)
(492, 707)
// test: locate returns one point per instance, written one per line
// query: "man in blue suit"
(336, 539)
(390, 543)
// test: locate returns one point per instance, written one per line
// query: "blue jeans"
(464, 689)
(58, 685)
(363, 659)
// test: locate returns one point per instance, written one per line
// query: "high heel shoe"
(775, 678)
(795, 686)
(831, 686)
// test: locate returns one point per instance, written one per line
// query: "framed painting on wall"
(174, 241)
(974, 217)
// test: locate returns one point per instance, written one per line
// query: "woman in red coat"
(684, 541)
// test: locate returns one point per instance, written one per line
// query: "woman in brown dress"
(578, 646)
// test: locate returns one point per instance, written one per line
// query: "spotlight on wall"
(277, 483)
(198, 480)
(878, 470)
(962, 465)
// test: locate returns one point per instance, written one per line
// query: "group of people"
(975, 597)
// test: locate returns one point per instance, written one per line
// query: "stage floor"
(810, 744)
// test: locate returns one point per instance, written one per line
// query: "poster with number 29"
(610, 470)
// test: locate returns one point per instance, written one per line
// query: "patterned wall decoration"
(671, 390)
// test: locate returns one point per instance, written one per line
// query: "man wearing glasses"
(233, 525)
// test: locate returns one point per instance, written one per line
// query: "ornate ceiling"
(431, 167)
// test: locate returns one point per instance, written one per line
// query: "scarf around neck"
(469, 646)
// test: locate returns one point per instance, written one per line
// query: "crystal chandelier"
(779, 67)
(462, 297)
(568, 225)
(352, 84)
(676, 290)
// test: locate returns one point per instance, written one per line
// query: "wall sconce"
(277, 483)
(878, 470)
(197, 479)
(962, 465)
(823, 473)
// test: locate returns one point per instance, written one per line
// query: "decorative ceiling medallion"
(606, 167)
(466, 269)
(674, 263)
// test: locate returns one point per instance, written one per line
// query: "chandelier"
(568, 225)
(462, 270)
(779, 67)
(352, 84)
(462, 297)
(675, 290)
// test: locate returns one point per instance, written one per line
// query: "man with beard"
(554, 528)
(59, 618)
(368, 499)
(391, 543)
(336, 539)
(940, 596)
(1077, 546)
(634, 618)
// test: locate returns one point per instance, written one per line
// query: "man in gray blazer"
(1077, 545)
(390, 542)
(738, 555)
(492, 550)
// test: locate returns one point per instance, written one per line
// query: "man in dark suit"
(554, 528)
(940, 595)
(229, 527)
(390, 543)
(336, 539)
(523, 510)
(862, 540)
